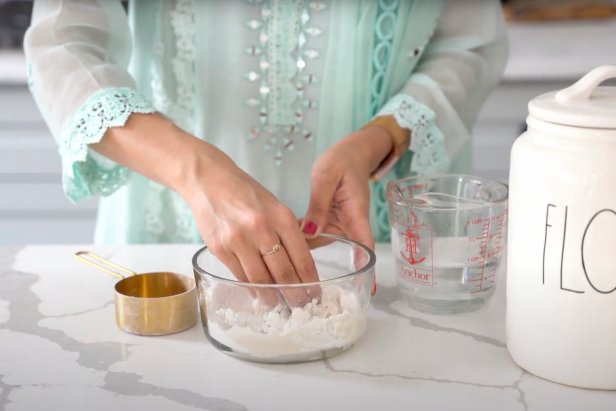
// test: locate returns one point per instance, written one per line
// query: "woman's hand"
(340, 195)
(240, 221)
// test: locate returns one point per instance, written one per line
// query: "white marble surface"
(60, 349)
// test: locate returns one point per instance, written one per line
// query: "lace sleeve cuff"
(86, 173)
(427, 141)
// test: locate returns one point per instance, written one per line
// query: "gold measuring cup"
(155, 303)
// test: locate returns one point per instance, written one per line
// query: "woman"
(239, 118)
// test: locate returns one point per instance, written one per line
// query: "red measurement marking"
(483, 248)
(496, 237)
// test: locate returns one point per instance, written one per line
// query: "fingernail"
(309, 228)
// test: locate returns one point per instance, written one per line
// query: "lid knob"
(582, 89)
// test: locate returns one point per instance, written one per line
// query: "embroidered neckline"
(283, 55)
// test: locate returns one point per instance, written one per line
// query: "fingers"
(243, 238)
(258, 273)
(362, 233)
(283, 272)
(322, 189)
(298, 252)
(232, 263)
(360, 230)
(357, 223)
(247, 270)
(319, 242)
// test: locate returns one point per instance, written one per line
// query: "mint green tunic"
(273, 83)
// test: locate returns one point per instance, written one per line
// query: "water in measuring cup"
(456, 276)
(443, 201)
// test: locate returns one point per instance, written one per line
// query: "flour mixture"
(337, 321)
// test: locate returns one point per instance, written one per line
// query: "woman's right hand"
(238, 219)
(241, 221)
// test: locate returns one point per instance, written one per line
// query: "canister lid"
(582, 105)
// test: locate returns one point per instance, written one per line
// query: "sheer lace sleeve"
(78, 53)
(460, 64)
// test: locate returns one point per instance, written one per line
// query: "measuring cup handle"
(81, 255)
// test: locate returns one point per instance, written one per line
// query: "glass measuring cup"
(447, 235)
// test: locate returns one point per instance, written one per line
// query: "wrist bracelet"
(401, 138)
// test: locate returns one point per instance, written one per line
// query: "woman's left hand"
(340, 194)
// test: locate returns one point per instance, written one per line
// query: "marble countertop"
(60, 349)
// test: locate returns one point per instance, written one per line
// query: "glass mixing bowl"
(259, 322)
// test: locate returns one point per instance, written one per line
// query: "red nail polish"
(309, 228)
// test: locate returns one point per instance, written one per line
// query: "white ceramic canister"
(561, 263)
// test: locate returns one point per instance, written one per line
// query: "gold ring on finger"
(275, 248)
